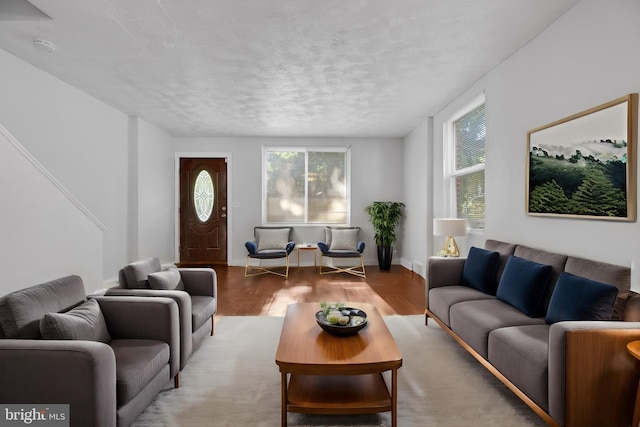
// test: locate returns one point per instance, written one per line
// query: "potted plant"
(385, 217)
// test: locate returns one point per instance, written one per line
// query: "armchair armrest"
(183, 300)
(252, 247)
(444, 272)
(180, 297)
(289, 247)
(79, 373)
(144, 318)
(200, 281)
(360, 246)
(594, 378)
(324, 248)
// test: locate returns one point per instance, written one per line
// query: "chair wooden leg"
(212, 325)
(176, 380)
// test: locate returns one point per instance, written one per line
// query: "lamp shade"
(449, 227)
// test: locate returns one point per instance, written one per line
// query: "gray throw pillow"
(344, 239)
(272, 238)
(85, 322)
(169, 279)
(136, 273)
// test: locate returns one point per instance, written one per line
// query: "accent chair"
(269, 243)
(341, 243)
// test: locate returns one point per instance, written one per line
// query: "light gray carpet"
(232, 380)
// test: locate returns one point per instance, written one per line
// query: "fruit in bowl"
(338, 319)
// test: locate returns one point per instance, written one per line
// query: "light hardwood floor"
(398, 291)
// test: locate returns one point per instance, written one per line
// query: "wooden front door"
(203, 211)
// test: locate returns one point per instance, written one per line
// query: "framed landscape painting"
(584, 166)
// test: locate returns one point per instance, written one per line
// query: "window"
(465, 142)
(305, 185)
(203, 196)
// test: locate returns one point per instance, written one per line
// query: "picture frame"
(584, 166)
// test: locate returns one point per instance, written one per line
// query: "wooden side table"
(634, 349)
(308, 247)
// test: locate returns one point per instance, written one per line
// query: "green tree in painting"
(616, 171)
(549, 198)
(567, 175)
(597, 196)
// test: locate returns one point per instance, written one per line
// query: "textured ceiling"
(278, 67)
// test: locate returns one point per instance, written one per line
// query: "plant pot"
(385, 253)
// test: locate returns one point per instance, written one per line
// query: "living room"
(105, 184)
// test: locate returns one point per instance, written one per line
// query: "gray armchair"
(94, 352)
(193, 289)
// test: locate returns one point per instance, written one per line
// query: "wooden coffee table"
(327, 374)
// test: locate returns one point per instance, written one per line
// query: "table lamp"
(450, 227)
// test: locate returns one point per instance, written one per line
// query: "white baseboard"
(416, 266)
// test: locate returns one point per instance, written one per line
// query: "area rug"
(232, 380)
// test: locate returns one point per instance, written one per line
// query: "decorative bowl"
(343, 330)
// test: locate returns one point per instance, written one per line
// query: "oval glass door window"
(203, 196)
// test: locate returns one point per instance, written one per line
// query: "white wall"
(376, 175)
(589, 56)
(80, 140)
(154, 193)
(84, 144)
(44, 233)
(417, 179)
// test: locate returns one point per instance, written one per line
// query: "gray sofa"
(570, 372)
(107, 358)
(195, 290)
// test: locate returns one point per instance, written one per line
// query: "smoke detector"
(45, 45)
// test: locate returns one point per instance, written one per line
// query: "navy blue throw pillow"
(577, 298)
(523, 285)
(479, 271)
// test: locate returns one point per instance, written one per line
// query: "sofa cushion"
(84, 322)
(272, 238)
(523, 285)
(577, 298)
(21, 311)
(474, 320)
(556, 261)
(169, 279)
(138, 361)
(202, 308)
(344, 239)
(136, 273)
(479, 271)
(441, 299)
(520, 354)
(611, 274)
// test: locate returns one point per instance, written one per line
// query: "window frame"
(307, 149)
(450, 171)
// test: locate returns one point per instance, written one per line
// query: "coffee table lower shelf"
(338, 394)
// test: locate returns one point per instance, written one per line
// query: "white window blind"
(466, 141)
